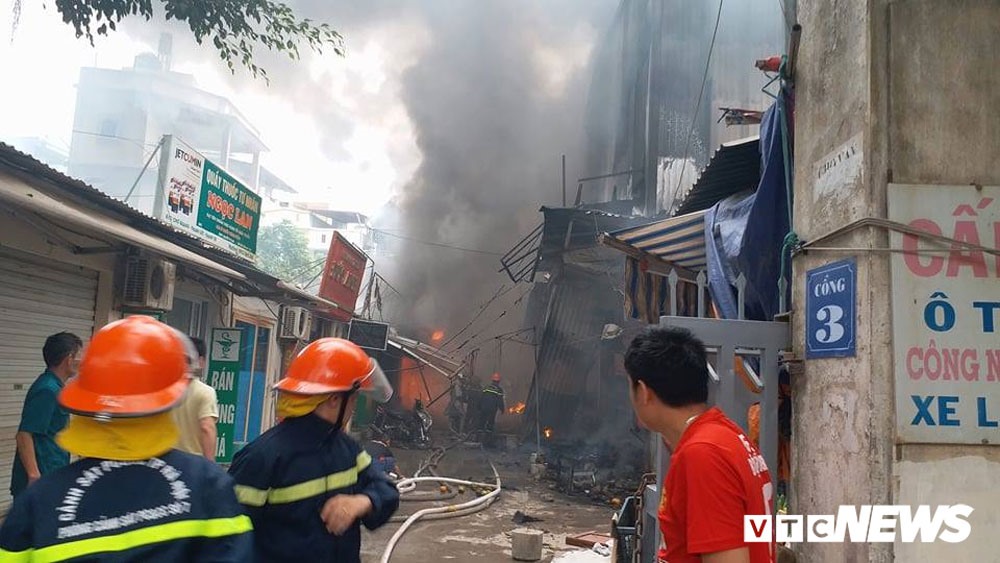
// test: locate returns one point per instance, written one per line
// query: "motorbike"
(406, 428)
(424, 421)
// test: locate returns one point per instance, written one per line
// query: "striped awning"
(679, 240)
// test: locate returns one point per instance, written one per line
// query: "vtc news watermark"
(864, 524)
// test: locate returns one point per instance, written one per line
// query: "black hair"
(671, 362)
(199, 346)
(60, 346)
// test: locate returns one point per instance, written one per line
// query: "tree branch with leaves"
(235, 27)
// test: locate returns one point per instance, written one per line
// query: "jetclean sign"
(197, 196)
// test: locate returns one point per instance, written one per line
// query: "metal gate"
(37, 298)
(727, 341)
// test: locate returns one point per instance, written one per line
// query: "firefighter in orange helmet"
(131, 496)
(306, 484)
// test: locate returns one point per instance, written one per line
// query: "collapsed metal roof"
(734, 168)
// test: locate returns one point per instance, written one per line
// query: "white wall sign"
(838, 170)
(199, 197)
(946, 315)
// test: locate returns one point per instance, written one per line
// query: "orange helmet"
(133, 367)
(335, 365)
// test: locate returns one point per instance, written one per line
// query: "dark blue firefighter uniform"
(176, 507)
(285, 477)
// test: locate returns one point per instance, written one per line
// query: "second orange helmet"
(335, 365)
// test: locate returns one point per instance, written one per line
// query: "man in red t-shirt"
(716, 474)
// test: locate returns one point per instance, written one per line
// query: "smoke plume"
(492, 93)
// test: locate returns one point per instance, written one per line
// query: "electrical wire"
(380, 277)
(487, 327)
(313, 280)
(467, 340)
(701, 93)
(784, 12)
(298, 274)
(482, 309)
(438, 244)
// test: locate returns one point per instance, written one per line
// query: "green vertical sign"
(223, 368)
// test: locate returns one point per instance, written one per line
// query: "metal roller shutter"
(37, 299)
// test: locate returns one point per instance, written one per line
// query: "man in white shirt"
(198, 412)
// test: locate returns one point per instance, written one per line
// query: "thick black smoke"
(495, 90)
(492, 120)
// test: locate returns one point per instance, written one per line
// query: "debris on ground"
(522, 518)
(602, 549)
(580, 556)
(598, 471)
(588, 540)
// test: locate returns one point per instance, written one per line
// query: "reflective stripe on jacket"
(285, 477)
(176, 507)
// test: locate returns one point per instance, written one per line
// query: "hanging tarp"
(745, 234)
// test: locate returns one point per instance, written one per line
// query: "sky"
(372, 158)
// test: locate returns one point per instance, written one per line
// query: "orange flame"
(437, 336)
(517, 409)
(548, 433)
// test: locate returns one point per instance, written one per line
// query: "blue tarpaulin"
(745, 234)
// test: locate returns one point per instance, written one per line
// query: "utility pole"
(564, 179)
(538, 423)
(653, 109)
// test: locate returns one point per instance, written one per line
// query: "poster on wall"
(342, 274)
(946, 314)
(197, 196)
(223, 367)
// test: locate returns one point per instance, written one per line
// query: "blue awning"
(679, 240)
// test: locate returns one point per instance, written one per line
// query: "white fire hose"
(451, 511)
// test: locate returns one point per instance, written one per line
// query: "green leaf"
(230, 23)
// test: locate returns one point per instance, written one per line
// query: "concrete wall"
(913, 87)
(840, 446)
(944, 128)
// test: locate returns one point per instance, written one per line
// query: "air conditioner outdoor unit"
(295, 323)
(149, 283)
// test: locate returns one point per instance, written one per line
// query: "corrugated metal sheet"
(734, 168)
(68, 190)
(581, 305)
(568, 229)
(71, 188)
(582, 296)
(37, 299)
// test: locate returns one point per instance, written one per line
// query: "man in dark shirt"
(42, 417)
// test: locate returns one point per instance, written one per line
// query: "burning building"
(575, 296)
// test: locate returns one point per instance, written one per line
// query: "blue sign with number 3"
(831, 294)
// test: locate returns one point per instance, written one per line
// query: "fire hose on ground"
(437, 513)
